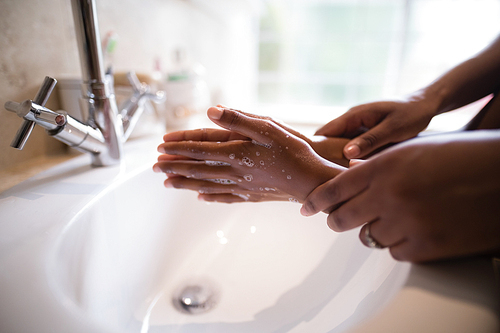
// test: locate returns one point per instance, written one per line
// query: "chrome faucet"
(105, 128)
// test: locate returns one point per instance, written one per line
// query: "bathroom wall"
(37, 39)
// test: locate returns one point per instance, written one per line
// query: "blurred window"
(344, 52)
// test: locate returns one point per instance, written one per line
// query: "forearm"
(465, 83)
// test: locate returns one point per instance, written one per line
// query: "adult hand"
(256, 158)
(425, 199)
(377, 124)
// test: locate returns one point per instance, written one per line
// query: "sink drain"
(196, 297)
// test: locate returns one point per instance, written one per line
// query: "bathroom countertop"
(16, 174)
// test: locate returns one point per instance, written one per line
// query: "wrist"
(430, 100)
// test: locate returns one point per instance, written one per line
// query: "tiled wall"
(37, 39)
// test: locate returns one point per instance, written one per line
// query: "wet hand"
(254, 159)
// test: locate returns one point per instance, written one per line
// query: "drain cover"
(196, 297)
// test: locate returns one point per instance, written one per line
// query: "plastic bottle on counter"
(186, 90)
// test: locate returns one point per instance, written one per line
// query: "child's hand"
(256, 160)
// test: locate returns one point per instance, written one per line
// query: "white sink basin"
(111, 250)
(124, 258)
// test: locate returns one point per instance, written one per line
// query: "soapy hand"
(253, 159)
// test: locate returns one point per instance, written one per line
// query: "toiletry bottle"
(187, 92)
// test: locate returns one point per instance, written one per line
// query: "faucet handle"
(142, 90)
(137, 86)
(27, 126)
(43, 94)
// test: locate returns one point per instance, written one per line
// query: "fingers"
(337, 190)
(167, 157)
(355, 162)
(220, 190)
(335, 128)
(203, 150)
(261, 130)
(368, 125)
(203, 134)
(201, 186)
(353, 213)
(241, 197)
(224, 198)
(196, 169)
(208, 190)
(383, 233)
(367, 142)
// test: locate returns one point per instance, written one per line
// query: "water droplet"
(244, 197)
(257, 153)
(248, 162)
(231, 156)
(293, 200)
(248, 178)
(261, 162)
(288, 177)
(216, 163)
(222, 181)
(265, 145)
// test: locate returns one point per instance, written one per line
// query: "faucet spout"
(100, 99)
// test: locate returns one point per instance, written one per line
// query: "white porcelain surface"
(105, 250)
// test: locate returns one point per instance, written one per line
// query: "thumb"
(367, 142)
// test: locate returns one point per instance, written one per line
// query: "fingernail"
(352, 151)
(304, 211)
(354, 161)
(215, 113)
(161, 150)
(332, 224)
(156, 168)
